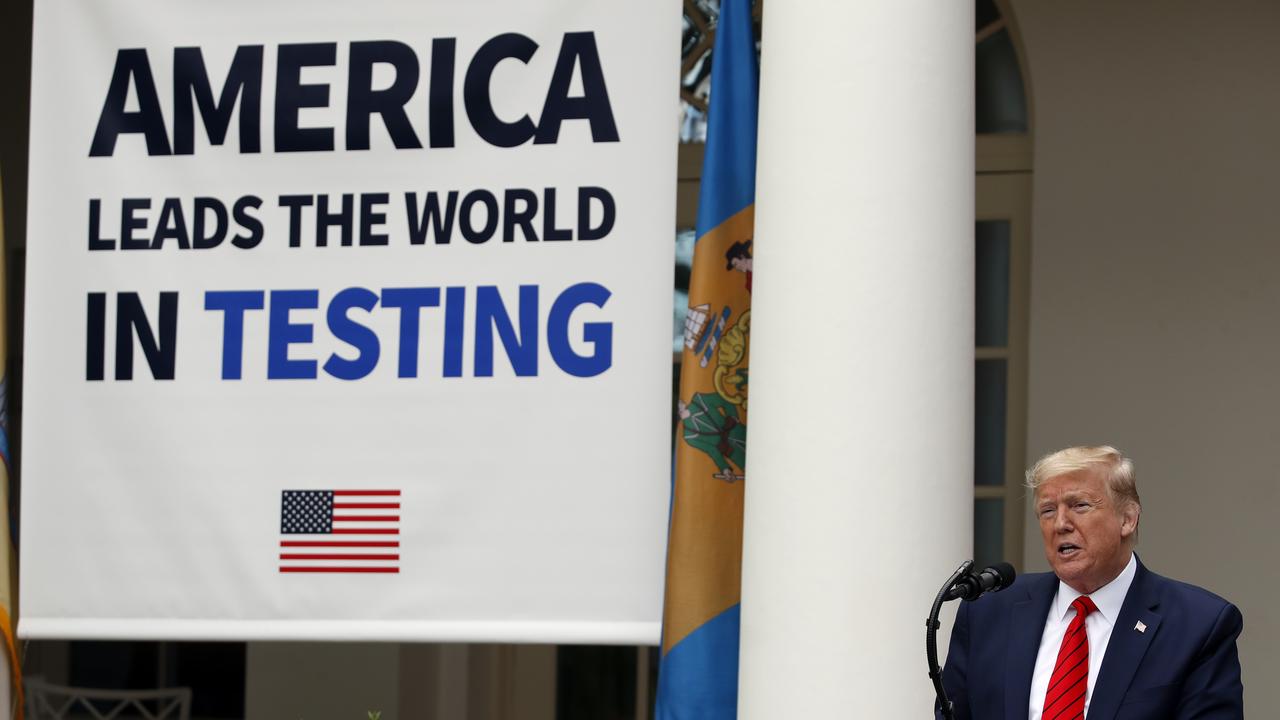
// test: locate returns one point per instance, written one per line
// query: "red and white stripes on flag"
(340, 531)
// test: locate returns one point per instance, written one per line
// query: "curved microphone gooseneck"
(931, 640)
(962, 585)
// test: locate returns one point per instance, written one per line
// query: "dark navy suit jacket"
(1183, 666)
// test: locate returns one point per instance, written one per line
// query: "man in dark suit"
(1100, 634)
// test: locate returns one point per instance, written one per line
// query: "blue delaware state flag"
(698, 677)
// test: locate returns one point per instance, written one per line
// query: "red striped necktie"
(1070, 680)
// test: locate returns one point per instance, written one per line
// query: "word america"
(242, 90)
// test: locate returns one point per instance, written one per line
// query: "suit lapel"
(1025, 628)
(1126, 647)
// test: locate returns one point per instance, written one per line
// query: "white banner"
(349, 320)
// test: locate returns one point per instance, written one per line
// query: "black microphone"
(973, 585)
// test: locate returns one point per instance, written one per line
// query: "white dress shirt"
(1097, 626)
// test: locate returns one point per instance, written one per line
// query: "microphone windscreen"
(1006, 573)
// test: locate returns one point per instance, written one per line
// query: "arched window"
(1002, 251)
(1001, 99)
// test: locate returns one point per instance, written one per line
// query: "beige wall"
(312, 681)
(1155, 283)
(307, 680)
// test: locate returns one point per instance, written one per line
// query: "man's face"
(1085, 534)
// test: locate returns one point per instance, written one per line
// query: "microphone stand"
(931, 641)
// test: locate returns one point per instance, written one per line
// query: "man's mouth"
(1066, 550)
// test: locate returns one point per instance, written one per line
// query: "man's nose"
(1062, 522)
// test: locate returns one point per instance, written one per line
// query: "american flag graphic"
(340, 531)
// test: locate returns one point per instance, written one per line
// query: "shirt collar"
(1109, 598)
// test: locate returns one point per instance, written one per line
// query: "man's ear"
(1129, 520)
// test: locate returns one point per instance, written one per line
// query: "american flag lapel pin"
(1140, 627)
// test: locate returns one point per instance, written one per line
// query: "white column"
(859, 495)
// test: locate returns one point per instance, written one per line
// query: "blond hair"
(1116, 469)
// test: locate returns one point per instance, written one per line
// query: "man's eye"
(1081, 506)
